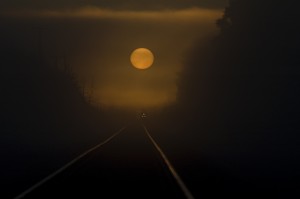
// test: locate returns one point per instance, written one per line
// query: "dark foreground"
(126, 167)
(130, 167)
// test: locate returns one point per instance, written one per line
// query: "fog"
(96, 44)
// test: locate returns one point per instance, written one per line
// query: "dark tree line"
(241, 93)
(251, 69)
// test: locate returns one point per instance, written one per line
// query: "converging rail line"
(172, 170)
(49, 177)
(168, 164)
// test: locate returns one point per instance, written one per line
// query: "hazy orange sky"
(104, 52)
(97, 43)
(110, 4)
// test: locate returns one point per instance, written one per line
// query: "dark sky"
(111, 4)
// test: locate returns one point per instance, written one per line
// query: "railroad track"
(172, 171)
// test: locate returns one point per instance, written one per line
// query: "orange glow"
(142, 58)
(101, 57)
(187, 15)
(134, 98)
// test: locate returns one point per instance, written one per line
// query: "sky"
(111, 4)
(97, 37)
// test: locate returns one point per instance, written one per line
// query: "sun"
(142, 58)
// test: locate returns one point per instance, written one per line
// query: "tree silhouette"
(261, 32)
(252, 62)
(243, 87)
